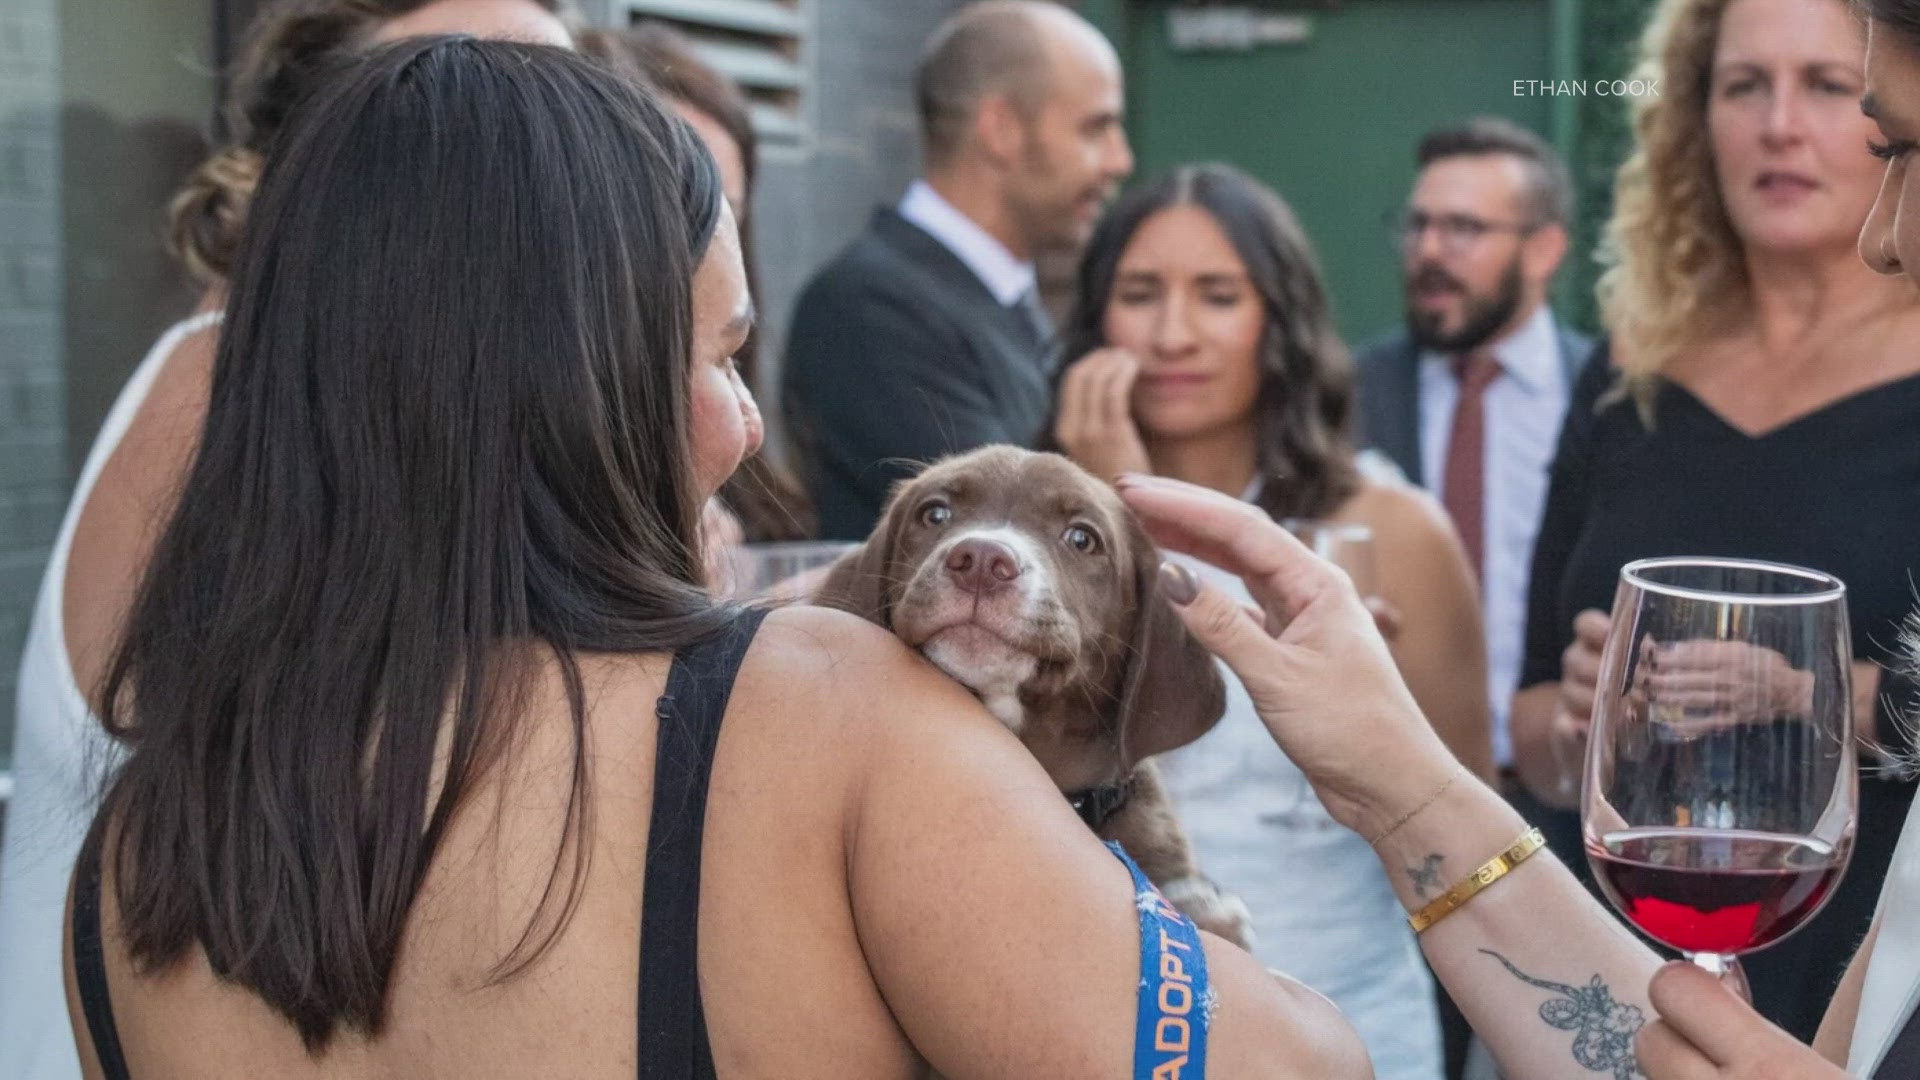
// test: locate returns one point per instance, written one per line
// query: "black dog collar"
(1096, 806)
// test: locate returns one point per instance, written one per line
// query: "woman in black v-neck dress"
(1837, 489)
(1759, 397)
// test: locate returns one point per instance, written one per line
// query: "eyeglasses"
(1458, 232)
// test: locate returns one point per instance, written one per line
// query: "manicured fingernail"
(1177, 584)
(1126, 478)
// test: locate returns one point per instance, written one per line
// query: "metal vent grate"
(760, 44)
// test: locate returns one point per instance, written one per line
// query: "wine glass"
(1720, 790)
(1349, 546)
(782, 570)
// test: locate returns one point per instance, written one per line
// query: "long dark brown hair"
(1303, 414)
(447, 432)
(770, 503)
(286, 44)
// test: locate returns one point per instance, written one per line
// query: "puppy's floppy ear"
(858, 581)
(1172, 692)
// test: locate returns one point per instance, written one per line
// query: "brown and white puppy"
(1026, 579)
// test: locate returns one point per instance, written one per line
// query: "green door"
(1332, 121)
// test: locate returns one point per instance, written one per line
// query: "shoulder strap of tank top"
(673, 1026)
(90, 962)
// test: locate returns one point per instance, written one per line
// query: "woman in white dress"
(1203, 349)
(125, 491)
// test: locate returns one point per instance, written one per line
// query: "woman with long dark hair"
(423, 692)
(1204, 349)
(132, 473)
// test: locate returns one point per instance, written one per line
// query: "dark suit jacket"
(1389, 389)
(898, 355)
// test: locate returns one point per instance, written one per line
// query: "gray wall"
(863, 150)
(32, 386)
(99, 121)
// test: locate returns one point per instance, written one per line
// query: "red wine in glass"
(1719, 794)
(1715, 891)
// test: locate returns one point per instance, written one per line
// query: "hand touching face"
(1184, 306)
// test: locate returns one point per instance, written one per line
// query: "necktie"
(1463, 485)
(1030, 308)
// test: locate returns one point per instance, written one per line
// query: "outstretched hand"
(1312, 659)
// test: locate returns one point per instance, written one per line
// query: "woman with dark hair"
(769, 504)
(1205, 351)
(131, 474)
(423, 691)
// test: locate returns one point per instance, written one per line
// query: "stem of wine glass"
(1727, 969)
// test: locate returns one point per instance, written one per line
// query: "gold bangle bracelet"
(1490, 871)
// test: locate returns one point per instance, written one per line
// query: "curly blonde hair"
(1674, 275)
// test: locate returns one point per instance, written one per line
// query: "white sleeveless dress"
(60, 755)
(1323, 910)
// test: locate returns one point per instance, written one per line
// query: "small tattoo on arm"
(1426, 876)
(1603, 1028)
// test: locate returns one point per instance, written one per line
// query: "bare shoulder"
(1400, 514)
(851, 672)
(824, 649)
(131, 501)
(954, 836)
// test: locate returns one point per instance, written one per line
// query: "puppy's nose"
(982, 566)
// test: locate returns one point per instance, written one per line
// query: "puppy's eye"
(1082, 539)
(935, 514)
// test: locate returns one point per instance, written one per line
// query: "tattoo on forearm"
(1426, 876)
(1603, 1028)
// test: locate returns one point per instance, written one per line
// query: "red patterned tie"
(1463, 486)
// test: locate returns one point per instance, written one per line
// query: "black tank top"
(673, 1027)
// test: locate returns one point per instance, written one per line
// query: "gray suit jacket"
(898, 354)
(1389, 389)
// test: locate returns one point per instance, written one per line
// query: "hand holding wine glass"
(1703, 1030)
(1720, 791)
(1729, 682)
(1580, 664)
(1579, 671)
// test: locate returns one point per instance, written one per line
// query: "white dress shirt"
(1005, 275)
(1524, 408)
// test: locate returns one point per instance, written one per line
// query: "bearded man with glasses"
(1468, 400)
